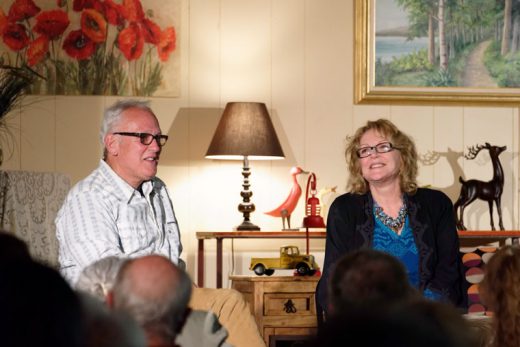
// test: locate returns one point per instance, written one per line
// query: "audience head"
(12, 248)
(107, 328)
(398, 139)
(38, 307)
(419, 322)
(500, 292)
(481, 327)
(98, 278)
(155, 292)
(368, 277)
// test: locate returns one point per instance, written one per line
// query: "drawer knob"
(289, 307)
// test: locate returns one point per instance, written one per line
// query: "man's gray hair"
(112, 114)
(163, 315)
(98, 278)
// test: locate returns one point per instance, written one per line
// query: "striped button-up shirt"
(103, 216)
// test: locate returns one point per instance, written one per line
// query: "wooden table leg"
(219, 262)
(200, 264)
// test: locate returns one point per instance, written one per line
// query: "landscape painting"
(438, 50)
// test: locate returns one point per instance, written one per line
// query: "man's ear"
(109, 298)
(112, 144)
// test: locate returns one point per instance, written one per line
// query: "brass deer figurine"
(490, 191)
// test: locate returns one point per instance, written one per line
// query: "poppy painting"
(94, 47)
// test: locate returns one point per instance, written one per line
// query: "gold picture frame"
(366, 92)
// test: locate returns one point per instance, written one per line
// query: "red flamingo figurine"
(287, 207)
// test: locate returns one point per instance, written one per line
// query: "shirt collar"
(120, 185)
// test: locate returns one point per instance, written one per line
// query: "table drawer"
(290, 304)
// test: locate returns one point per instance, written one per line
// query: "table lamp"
(245, 132)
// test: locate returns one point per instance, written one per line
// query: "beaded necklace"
(394, 224)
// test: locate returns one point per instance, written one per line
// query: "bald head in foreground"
(155, 292)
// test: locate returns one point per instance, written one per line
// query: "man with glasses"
(121, 208)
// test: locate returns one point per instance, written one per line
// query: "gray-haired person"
(156, 293)
(122, 208)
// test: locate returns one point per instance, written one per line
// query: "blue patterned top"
(403, 248)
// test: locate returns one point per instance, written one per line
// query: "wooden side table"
(283, 306)
(219, 236)
(467, 239)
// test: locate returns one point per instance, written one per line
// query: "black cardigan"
(350, 226)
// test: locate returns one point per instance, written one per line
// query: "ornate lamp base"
(246, 207)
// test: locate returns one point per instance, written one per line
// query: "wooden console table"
(467, 238)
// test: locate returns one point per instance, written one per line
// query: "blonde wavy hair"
(409, 168)
(500, 291)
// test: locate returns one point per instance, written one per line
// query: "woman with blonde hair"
(500, 292)
(385, 210)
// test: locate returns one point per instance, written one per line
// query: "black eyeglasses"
(146, 138)
(383, 147)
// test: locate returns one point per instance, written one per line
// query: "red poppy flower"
(80, 5)
(133, 10)
(61, 3)
(15, 36)
(150, 31)
(22, 9)
(130, 41)
(78, 46)
(52, 23)
(114, 13)
(37, 50)
(167, 43)
(3, 21)
(94, 25)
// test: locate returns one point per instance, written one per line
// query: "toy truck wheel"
(269, 272)
(302, 269)
(259, 269)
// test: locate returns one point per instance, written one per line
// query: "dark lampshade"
(245, 131)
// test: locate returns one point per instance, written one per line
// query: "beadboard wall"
(297, 57)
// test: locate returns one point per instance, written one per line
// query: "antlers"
(473, 151)
(429, 158)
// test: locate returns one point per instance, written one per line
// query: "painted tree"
(506, 29)
(430, 12)
(443, 51)
(421, 22)
(515, 35)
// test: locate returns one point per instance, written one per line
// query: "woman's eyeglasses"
(383, 147)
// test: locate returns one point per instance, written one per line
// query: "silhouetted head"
(500, 292)
(155, 292)
(421, 323)
(38, 307)
(98, 278)
(368, 277)
(12, 248)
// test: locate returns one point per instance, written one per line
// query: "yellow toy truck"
(290, 258)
